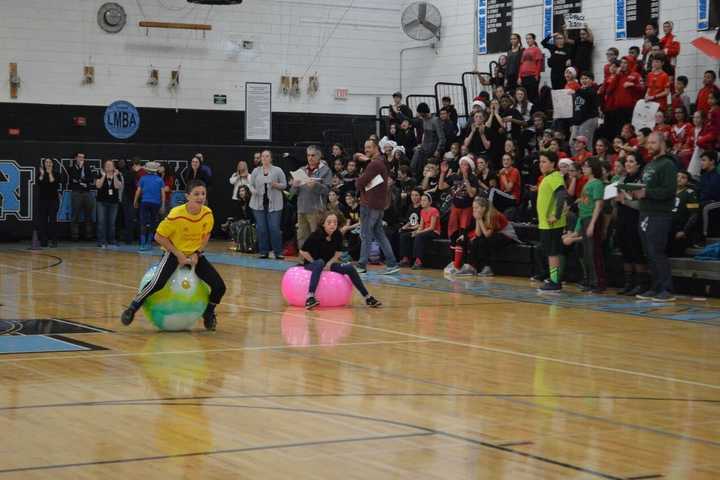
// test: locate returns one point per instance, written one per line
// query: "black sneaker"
(648, 295)
(311, 303)
(128, 315)
(210, 319)
(664, 297)
(264, 256)
(373, 302)
(550, 287)
(637, 289)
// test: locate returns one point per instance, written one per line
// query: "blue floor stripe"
(35, 344)
(685, 312)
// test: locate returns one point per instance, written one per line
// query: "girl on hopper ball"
(322, 251)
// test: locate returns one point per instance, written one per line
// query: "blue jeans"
(317, 266)
(106, 216)
(371, 228)
(268, 231)
(654, 233)
(149, 218)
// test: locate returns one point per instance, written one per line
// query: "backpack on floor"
(244, 235)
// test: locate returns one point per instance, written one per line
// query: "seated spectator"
(508, 195)
(682, 136)
(410, 225)
(532, 138)
(602, 152)
(462, 187)
(512, 120)
(703, 96)
(581, 151)
(679, 98)
(405, 137)
(490, 232)
(487, 180)
(571, 82)
(404, 184)
(478, 140)
(709, 138)
(429, 182)
(452, 111)
(429, 230)
(685, 217)
(351, 229)
(524, 106)
(239, 178)
(660, 125)
(334, 206)
(710, 178)
(348, 178)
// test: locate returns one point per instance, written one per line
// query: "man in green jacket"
(657, 200)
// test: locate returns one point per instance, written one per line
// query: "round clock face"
(111, 17)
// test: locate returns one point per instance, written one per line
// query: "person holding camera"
(109, 191)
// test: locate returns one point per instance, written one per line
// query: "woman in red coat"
(682, 136)
(709, 138)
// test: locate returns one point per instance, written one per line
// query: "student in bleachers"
(429, 230)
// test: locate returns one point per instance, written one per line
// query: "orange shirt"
(658, 82)
(581, 157)
(511, 174)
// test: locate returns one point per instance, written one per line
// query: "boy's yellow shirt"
(185, 230)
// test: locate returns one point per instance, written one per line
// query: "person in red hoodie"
(629, 90)
(709, 138)
(670, 46)
(530, 67)
(581, 151)
(708, 87)
(612, 56)
(612, 120)
(658, 83)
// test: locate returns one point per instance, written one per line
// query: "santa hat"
(468, 159)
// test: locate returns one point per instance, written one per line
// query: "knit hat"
(581, 138)
(565, 161)
(468, 159)
(572, 71)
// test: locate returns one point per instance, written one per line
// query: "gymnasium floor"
(468, 379)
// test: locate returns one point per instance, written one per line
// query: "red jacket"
(670, 46)
(656, 84)
(683, 136)
(702, 98)
(627, 97)
(607, 91)
(709, 137)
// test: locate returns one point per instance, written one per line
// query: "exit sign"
(341, 93)
(220, 99)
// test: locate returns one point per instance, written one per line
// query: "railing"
(413, 101)
(457, 94)
(475, 83)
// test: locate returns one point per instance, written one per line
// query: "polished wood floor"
(436, 385)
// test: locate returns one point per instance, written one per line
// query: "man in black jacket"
(81, 181)
(657, 200)
(398, 110)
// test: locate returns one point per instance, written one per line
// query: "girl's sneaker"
(311, 303)
(372, 302)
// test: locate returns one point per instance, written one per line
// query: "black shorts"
(551, 242)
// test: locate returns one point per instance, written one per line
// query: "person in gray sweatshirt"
(433, 139)
(311, 194)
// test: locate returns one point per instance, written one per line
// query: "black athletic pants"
(168, 264)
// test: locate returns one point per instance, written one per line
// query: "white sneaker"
(486, 272)
(466, 271)
(450, 269)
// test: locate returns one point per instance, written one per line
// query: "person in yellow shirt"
(183, 234)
